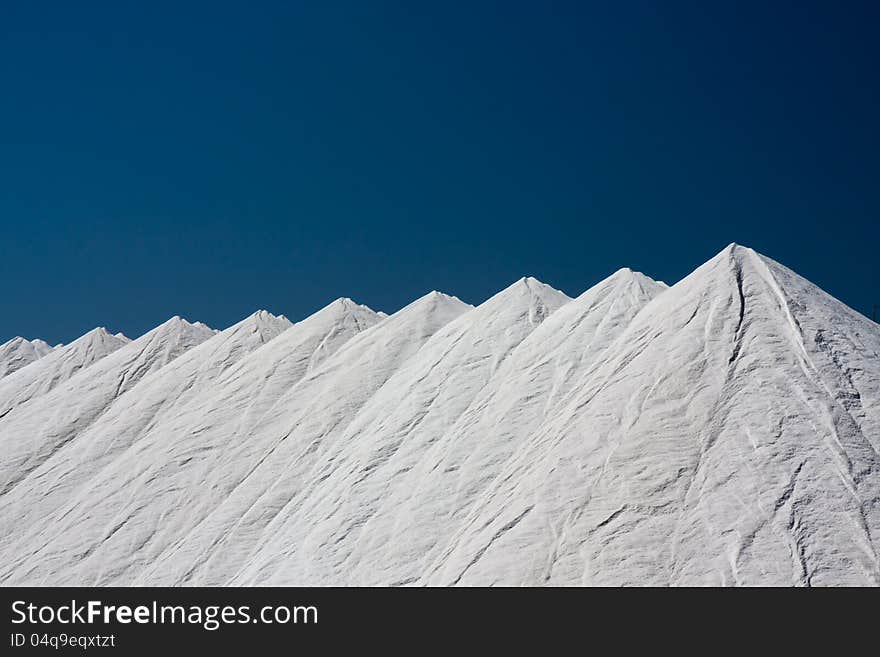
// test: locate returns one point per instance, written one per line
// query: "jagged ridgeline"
(722, 431)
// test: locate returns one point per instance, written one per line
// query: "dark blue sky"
(211, 159)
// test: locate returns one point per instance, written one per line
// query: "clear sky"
(211, 159)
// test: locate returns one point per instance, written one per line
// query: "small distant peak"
(173, 322)
(738, 254)
(534, 286)
(530, 291)
(622, 274)
(737, 250)
(13, 343)
(263, 317)
(432, 304)
(259, 316)
(627, 274)
(255, 318)
(338, 310)
(531, 281)
(177, 327)
(349, 305)
(623, 281)
(99, 333)
(435, 298)
(724, 268)
(526, 282)
(122, 336)
(41, 347)
(382, 314)
(198, 328)
(177, 322)
(436, 294)
(454, 300)
(260, 321)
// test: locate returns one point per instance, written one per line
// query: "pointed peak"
(624, 283)
(627, 276)
(523, 283)
(532, 283)
(447, 297)
(346, 305)
(98, 338)
(181, 322)
(538, 300)
(726, 268)
(261, 320)
(431, 302)
(97, 333)
(17, 342)
(263, 316)
(41, 347)
(435, 295)
(341, 310)
(528, 286)
(171, 324)
(176, 325)
(736, 252)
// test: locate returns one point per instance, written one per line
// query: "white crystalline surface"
(56, 366)
(19, 352)
(722, 431)
(33, 431)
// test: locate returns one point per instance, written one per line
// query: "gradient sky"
(211, 159)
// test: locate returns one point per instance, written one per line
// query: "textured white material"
(56, 367)
(19, 352)
(31, 432)
(724, 430)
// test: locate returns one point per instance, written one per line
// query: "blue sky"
(210, 159)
